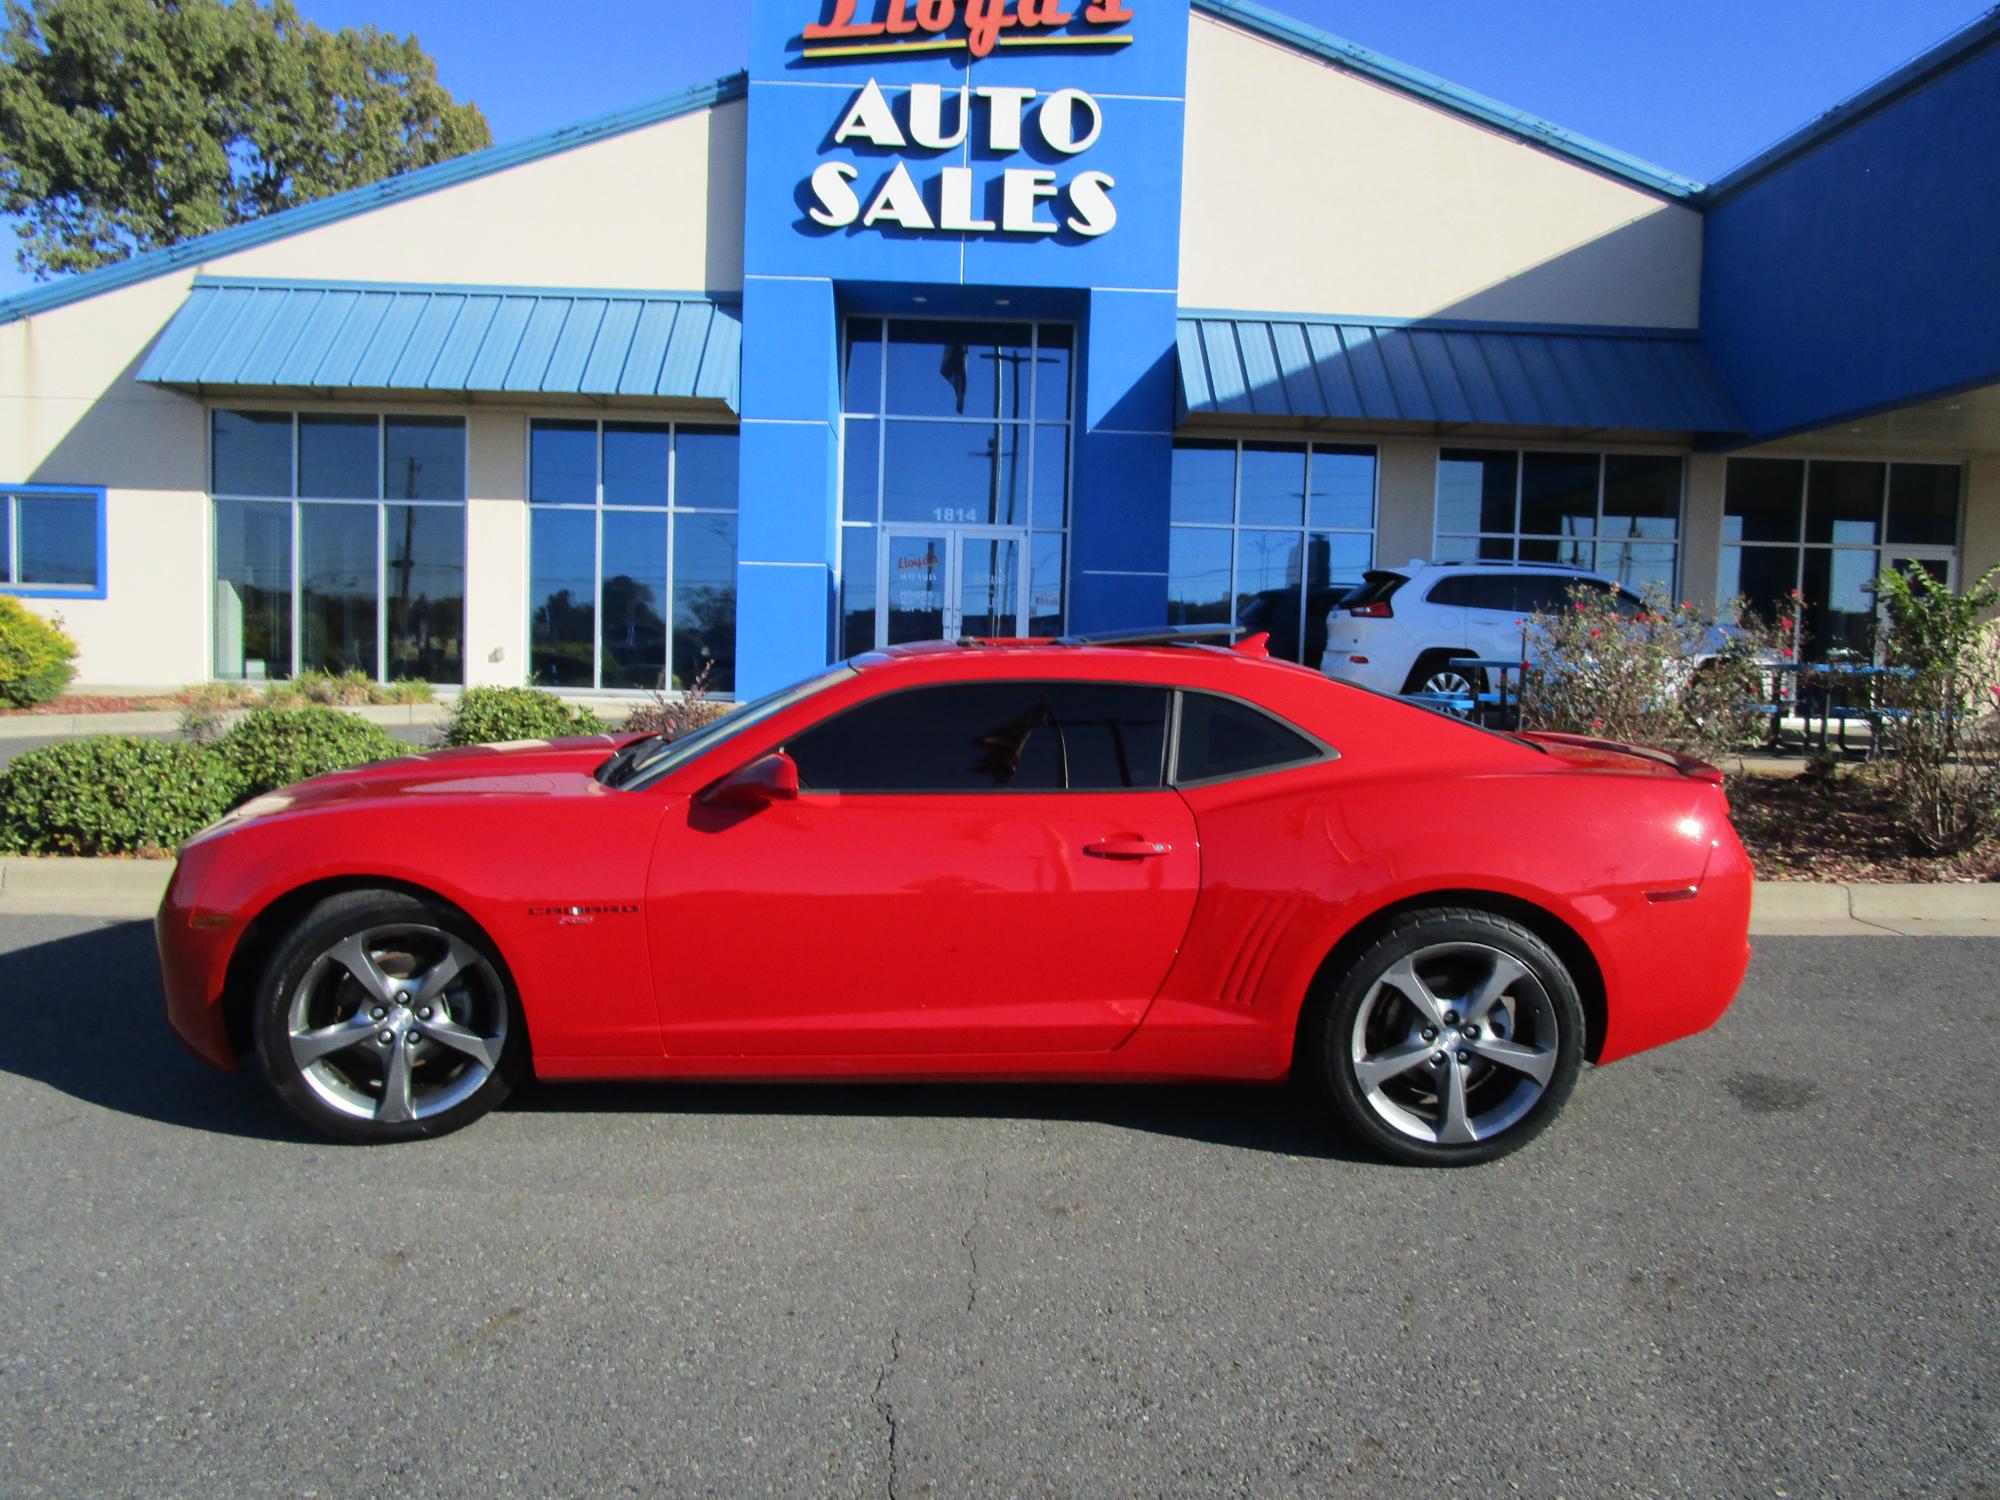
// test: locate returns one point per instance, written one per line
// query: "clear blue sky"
(1692, 85)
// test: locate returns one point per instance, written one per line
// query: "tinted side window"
(1455, 591)
(991, 736)
(1493, 591)
(1220, 737)
(1544, 594)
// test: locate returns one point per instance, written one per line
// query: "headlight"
(256, 807)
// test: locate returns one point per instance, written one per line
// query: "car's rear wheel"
(381, 1017)
(1454, 1039)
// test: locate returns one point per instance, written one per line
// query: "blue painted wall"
(1864, 273)
(801, 278)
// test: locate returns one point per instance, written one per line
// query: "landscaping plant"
(274, 747)
(1939, 748)
(36, 658)
(495, 715)
(111, 794)
(672, 718)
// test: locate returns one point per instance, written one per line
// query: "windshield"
(647, 760)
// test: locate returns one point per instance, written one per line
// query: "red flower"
(1593, 635)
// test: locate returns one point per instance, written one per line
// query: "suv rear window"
(1373, 589)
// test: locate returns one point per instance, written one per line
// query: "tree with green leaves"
(126, 125)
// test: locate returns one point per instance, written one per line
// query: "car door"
(1493, 616)
(978, 868)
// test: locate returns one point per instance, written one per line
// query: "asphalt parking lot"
(1762, 1262)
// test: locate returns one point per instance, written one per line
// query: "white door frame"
(953, 539)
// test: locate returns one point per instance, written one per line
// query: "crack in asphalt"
(887, 1408)
(966, 1239)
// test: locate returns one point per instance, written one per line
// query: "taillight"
(1379, 610)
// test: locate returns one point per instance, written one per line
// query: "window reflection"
(424, 582)
(253, 589)
(337, 587)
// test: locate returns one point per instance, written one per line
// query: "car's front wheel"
(381, 1017)
(1455, 1038)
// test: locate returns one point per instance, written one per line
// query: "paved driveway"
(1762, 1262)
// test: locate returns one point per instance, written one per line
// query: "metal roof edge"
(1447, 325)
(1428, 86)
(1959, 47)
(329, 210)
(470, 289)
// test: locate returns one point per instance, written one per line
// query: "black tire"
(335, 1021)
(1432, 662)
(1535, 1024)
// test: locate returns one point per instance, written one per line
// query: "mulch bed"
(71, 703)
(1842, 831)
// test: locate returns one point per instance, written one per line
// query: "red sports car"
(1083, 859)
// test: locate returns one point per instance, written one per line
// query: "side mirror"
(767, 779)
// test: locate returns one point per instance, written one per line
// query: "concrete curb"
(1781, 908)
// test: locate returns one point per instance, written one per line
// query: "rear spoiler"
(1692, 767)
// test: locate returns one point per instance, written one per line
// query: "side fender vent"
(1260, 942)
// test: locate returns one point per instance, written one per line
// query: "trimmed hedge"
(274, 747)
(494, 715)
(111, 794)
(36, 659)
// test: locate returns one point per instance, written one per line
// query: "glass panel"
(705, 467)
(989, 586)
(58, 540)
(1761, 501)
(861, 472)
(562, 463)
(1268, 566)
(1923, 504)
(636, 459)
(965, 738)
(1224, 738)
(426, 585)
(423, 458)
(1839, 614)
(253, 453)
(958, 369)
(1052, 373)
(1051, 475)
(1762, 577)
(1114, 738)
(1642, 496)
(7, 539)
(1204, 483)
(1475, 492)
(1844, 503)
(562, 598)
(1343, 488)
(858, 562)
(633, 617)
(1274, 485)
(337, 457)
(1574, 553)
(337, 588)
(971, 473)
(1334, 565)
(1045, 584)
(915, 581)
(1638, 564)
(1470, 548)
(1198, 577)
(1559, 494)
(863, 387)
(253, 589)
(705, 600)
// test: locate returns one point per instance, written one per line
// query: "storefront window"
(339, 544)
(1617, 514)
(632, 555)
(48, 541)
(1269, 535)
(1827, 528)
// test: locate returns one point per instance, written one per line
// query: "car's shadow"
(83, 1014)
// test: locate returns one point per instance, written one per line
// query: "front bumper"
(194, 965)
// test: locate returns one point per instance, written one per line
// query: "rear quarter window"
(1221, 738)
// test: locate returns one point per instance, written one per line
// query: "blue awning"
(1494, 375)
(488, 340)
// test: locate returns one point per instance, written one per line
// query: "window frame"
(1597, 538)
(597, 509)
(1304, 532)
(381, 502)
(11, 583)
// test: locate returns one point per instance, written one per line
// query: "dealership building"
(955, 317)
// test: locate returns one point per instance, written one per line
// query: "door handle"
(1127, 848)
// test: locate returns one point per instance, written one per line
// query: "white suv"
(1402, 630)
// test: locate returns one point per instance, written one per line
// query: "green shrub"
(492, 716)
(275, 747)
(111, 794)
(36, 658)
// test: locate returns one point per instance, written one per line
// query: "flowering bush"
(673, 718)
(1666, 674)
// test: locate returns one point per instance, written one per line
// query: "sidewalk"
(132, 888)
(168, 721)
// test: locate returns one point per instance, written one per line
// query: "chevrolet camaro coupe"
(1091, 859)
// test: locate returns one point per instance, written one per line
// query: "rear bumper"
(1680, 964)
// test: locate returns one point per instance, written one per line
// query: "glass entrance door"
(943, 582)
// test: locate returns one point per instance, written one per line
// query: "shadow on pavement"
(84, 1014)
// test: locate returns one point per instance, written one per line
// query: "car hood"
(523, 768)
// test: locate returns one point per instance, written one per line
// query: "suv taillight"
(1379, 610)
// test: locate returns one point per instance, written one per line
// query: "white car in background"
(1405, 629)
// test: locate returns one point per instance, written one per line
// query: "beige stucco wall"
(496, 551)
(1405, 499)
(1982, 518)
(1349, 197)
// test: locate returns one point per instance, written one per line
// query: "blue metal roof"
(528, 341)
(1490, 374)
